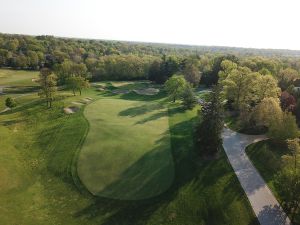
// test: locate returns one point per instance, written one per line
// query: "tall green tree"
(240, 86)
(208, 132)
(288, 180)
(192, 74)
(188, 97)
(77, 84)
(48, 81)
(175, 86)
(281, 125)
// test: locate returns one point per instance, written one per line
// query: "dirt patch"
(71, 110)
(120, 91)
(147, 91)
(100, 89)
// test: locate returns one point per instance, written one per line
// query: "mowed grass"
(17, 77)
(127, 152)
(39, 183)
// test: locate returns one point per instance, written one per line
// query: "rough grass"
(127, 152)
(39, 184)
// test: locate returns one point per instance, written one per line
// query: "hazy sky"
(241, 23)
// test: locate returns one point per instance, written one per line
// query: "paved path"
(263, 202)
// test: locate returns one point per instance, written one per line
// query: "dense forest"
(116, 60)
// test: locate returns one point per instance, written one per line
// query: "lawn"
(127, 152)
(40, 185)
(17, 77)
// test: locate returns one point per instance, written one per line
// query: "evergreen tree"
(208, 132)
(188, 97)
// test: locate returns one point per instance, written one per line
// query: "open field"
(17, 77)
(40, 185)
(127, 152)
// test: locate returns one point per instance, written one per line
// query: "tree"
(286, 77)
(240, 87)
(288, 101)
(155, 73)
(48, 86)
(175, 86)
(77, 84)
(10, 102)
(266, 87)
(288, 180)
(188, 97)
(281, 125)
(288, 187)
(227, 67)
(192, 74)
(208, 132)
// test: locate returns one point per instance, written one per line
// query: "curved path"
(263, 202)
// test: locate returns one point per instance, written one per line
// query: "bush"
(10, 102)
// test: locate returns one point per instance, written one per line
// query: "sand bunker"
(120, 91)
(71, 110)
(86, 100)
(147, 91)
(77, 103)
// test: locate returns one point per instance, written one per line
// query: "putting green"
(127, 153)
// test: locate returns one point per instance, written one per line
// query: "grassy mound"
(127, 153)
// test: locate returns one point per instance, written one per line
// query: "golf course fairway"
(127, 152)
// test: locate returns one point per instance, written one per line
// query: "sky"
(237, 23)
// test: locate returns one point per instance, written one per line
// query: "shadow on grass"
(20, 89)
(137, 212)
(149, 176)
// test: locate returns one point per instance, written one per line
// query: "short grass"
(127, 152)
(17, 77)
(39, 184)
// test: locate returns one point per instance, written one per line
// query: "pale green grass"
(127, 153)
(17, 77)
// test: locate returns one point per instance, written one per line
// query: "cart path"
(263, 202)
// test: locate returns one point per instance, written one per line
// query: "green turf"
(17, 78)
(127, 153)
(39, 184)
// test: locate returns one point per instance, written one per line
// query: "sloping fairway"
(127, 153)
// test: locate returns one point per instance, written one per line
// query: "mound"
(77, 103)
(147, 91)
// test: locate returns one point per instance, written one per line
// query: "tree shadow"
(149, 176)
(141, 109)
(20, 89)
(272, 215)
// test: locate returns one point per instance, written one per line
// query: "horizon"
(153, 43)
(260, 25)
